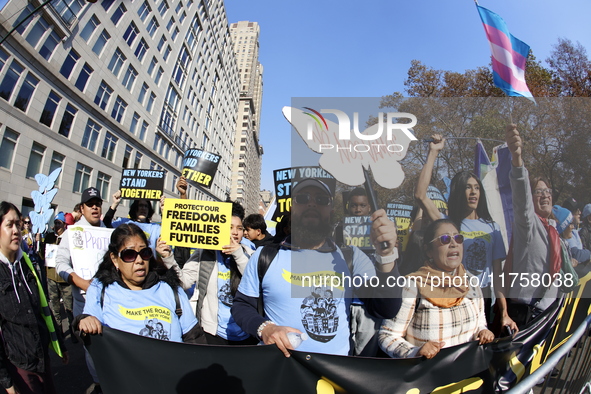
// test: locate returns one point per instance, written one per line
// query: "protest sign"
(50, 254)
(196, 224)
(199, 167)
(400, 214)
(88, 245)
(435, 195)
(286, 178)
(356, 231)
(144, 184)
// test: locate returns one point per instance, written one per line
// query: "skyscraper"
(246, 167)
(94, 88)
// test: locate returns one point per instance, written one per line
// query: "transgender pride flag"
(508, 55)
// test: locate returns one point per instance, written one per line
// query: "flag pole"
(373, 201)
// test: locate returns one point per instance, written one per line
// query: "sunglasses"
(91, 204)
(130, 255)
(304, 198)
(26, 222)
(445, 239)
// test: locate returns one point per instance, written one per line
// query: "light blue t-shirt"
(149, 312)
(483, 243)
(152, 230)
(297, 293)
(227, 327)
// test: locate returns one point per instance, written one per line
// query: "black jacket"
(25, 336)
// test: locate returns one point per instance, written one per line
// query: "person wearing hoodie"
(27, 331)
(565, 224)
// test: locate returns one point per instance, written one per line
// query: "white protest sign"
(88, 245)
(50, 253)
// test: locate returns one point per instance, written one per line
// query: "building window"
(107, 4)
(138, 160)
(90, 27)
(142, 94)
(163, 7)
(50, 107)
(118, 109)
(175, 33)
(91, 134)
(144, 10)
(57, 161)
(157, 140)
(103, 95)
(182, 17)
(35, 159)
(169, 111)
(25, 93)
(116, 17)
(68, 9)
(141, 50)
(126, 156)
(170, 24)
(83, 77)
(101, 42)
(3, 58)
(131, 33)
(152, 27)
(30, 9)
(103, 182)
(151, 102)
(109, 146)
(161, 43)
(37, 32)
(67, 120)
(69, 64)
(10, 79)
(166, 53)
(129, 78)
(152, 66)
(7, 147)
(157, 79)
(143, 131)
(49, 46)
(134, 122)
(116, 62)
(81, 178)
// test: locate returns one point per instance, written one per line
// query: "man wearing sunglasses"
(91, 208)
(294, 304)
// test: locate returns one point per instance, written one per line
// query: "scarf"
(442, 292)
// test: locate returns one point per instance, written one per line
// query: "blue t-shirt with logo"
(148, 312)
(227, 327)
(483, 243)
(152, 230)
(305, 289)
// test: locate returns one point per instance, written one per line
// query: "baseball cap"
(60, 216)
(311, 182)
(571, 204)
(89, 194)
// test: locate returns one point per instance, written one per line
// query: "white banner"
(88, 245)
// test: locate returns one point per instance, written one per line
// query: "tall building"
(246, 167)
(94, 88)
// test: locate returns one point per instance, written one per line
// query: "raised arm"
(425, 202)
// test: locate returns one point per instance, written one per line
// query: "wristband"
(262, 327)
(383, 260)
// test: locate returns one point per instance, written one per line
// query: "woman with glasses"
(484, 249)
(442, 304)
(132, 292)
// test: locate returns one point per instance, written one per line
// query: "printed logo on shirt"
(224, 275)
(314, 279)
(147, 312)
(319, 315)
(477, 234)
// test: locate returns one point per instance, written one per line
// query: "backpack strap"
(178, 309)
(265, 258)
(207, 260)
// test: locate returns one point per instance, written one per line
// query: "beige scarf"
(440, 288)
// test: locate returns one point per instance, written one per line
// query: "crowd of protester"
(238, 295)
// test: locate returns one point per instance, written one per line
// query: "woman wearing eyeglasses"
(132, 292)
(442, 304)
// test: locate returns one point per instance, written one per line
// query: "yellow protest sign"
(196, 224)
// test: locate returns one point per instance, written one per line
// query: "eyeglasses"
(540, 192)
(26, 221)
(445, 239)
(130, 255)
(91, 204)
(304, 198)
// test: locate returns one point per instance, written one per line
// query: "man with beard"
(308, 262)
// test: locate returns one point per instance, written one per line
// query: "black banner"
(144, 184)
(199, 167)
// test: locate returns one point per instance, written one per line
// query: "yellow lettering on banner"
(141, 193)
(324, 387)
(196, 224)
(196, 176)
(147, 312)
(459, 387)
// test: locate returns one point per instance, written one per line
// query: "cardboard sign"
(144, 184)
(88, 245)
(400, 214)
(196, 224)
(199, 167)
(357, 230)
(286, 178)
(50, 255)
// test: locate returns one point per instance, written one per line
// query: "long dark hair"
(134, 208)
(107, 272)
(457, 201)
(6, 207)
(235, 275)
